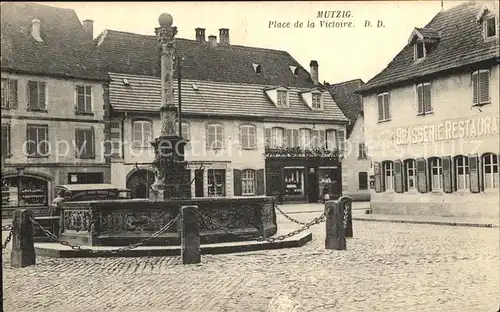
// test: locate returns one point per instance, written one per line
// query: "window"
(490, 29)
(37, 95)
(216, 182)
(294, 181)
(248, 182)
(490, 171)
(362, 151)
(248, 136)
(383, 107)
(215, 136)
(142, 133)
(424, 98)
(9, 93)
(83, 99)
(363, 180)
(388, 171)
(419, 50)
(341, 140)
(282, 100)
(277, 137)
(481, 87)
(436, 173)
(37, 144)
(330, 139)
(84, 139)
(24, 191)
(305, 138)
(5, 145)
(410, 174)
(462, 172)
(316, 100)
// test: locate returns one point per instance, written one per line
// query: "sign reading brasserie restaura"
(470, 128)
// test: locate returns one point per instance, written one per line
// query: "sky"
(342, 53)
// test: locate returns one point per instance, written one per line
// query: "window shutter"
(267, 137)
(80, 99)
(398, 176)
(421, 175)
(289, 138)
(237, 182)
(474, 173)
(378, 177)
(32, 94)
(92, 142)
(380, 100)
(322, 142)
(295, 137)
(45, 139)
(42, 100)
(427, 97)
(387, 110)
(475, 88)
(5, 140)
(315, 139)
(136, 133)
(259, 174)
(446, 163)
(13, 93)
(78, 143)
(242, 137)
(484, 86)
(420, 100)
(32, 140)
(220, 136)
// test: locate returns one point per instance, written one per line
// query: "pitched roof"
(122, 52)
(64, 52)
(347, 99)
(143, 94)
(461, 43)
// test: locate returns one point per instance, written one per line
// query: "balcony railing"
(298, 152)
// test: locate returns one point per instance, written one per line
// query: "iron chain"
(9, 237)
(7, 227)
(288, 217)
(113, 251)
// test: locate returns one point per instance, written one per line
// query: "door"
(198, 183)
(312, 187)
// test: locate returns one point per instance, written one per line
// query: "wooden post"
(190, 236)
(335, 232)
(346, 203)
(23, 246)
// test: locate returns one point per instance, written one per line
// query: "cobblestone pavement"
(386, 267)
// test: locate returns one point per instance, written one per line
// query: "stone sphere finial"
(165, 20)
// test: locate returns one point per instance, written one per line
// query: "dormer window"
(278, 95)
(294, 70)
(282, 98)
(419, 50)
(126, 82)
(257, 68)
(313, 99)
(490, 27)
(316, 101)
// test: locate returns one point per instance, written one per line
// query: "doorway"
(198, 183)
(312, 187)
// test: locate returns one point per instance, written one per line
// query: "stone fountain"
(121, 222)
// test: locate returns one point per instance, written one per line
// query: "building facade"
(432, 119)
(52, 104)
(356, 160)
(233, 99)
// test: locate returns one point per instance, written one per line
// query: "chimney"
(88, 28)
(314, 72)
(200, 35)
(35, 30)
(224, 36)
(212, 41)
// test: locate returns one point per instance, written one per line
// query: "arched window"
(142, 133)
(461, 172)
(490, 171)
(436, 173)
(388, 174)
(305, 138)
(215, 136)
(248, 182)
(140, 181)
(248, 136)
(277, 137)
(410, 174)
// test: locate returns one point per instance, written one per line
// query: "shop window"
(294, 181)
(24, 191)
(436, 173)
(490, 171)
(388, 175)
(410, 168)
(363, 180)
(216, 182)
(462, 176)
(248, 182)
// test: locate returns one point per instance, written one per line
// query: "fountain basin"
(120, 222)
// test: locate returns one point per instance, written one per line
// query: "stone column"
(23, 246)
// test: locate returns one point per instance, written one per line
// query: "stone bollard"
(23, 246)
(346, 204)
(190, 236)
(335, 232)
